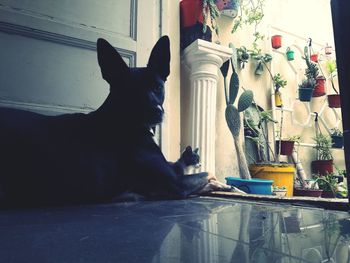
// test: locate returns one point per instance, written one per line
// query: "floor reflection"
(198, 230)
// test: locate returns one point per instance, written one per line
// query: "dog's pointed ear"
(159, 60)
(112, 65)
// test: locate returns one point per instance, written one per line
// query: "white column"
(204, 59)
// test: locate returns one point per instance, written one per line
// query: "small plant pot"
(278, 99)
(190, 12)
(281, 174)
(327, 194)
(319, 88)
(253, 186)
(280, 193)
(308, 192)
(192, 33)
(334, 101)
(228, 7)
(314, 58)
(337, 141)
(276, 41)
(290, 54)
(305, 94)
(286, 147)
(328, 50)
(322, 167)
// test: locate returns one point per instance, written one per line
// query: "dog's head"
(135, 92)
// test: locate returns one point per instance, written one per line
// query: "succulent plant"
(232, 115)
(308, 84)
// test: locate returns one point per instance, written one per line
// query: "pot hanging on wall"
(290, 54)
(320, 87)
(286, 147)
(337, 141)
(259, 69)
(334, 101)
(314, 58)
(228, 7)
(322, 167)
(328, 50)
(278, 99)
(276, 41)
(305, 94)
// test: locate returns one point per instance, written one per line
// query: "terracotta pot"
(327, 194)
(314, 58)
(190, 12)
(286, 147)
(276, 41)
(334, 101)
(322, 167)
(319, 88)
(308, 192)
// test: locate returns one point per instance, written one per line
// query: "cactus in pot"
(232, 115)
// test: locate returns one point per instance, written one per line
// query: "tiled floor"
(203, 230)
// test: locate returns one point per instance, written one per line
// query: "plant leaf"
(234, 86)
(224, 68)
(245, 100)
(234, 57)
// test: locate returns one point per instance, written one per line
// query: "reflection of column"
(204, 58)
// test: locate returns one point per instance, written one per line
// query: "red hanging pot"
(286, 147)
(190, 12)
(276, 41)
(322, 167)
(319, 88)
(334, 101)
(314, 58)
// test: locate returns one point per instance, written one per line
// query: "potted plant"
(276, 41)
(278, 82)
(228, 7)
(324, 160)
(308, 85)
(328, 183)
(333, 99)
(232, 113)
(309, 188)
(261, 60)
(266, 165)
(306, 88)
(290, 54)
(320, 89)
(337, 138)
(194, 15)
(287, 145)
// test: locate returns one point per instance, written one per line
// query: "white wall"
(299, 20)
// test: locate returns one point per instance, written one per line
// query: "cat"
(188, 161)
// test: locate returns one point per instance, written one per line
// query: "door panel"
(48, 60)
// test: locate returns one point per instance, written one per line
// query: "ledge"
(326, 203)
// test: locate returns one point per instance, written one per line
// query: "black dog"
(75, 158)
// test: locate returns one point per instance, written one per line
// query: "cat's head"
(191, 157)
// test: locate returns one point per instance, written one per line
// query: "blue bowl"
(253, 186)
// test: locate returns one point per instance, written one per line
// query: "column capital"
(205, 58)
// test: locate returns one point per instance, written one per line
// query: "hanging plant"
(251, 14)
(211, 11)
